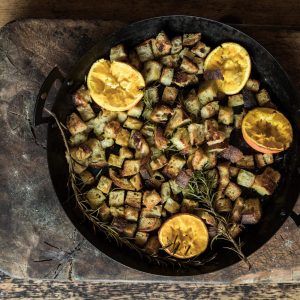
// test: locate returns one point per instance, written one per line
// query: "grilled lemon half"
(115, 86)
(235, 64)
(183, 236)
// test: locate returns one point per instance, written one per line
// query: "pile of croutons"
(148, 154)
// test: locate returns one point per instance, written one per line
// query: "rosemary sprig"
(201, 188)
(111, 232)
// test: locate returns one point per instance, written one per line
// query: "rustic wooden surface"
(37, 239)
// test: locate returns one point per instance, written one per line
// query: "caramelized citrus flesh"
(183, 236)
(115, 86)
(267, 129)
(234, 62)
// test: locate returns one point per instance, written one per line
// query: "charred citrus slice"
(267, 130)
(234, 62)
(115, 86)
(183, 236)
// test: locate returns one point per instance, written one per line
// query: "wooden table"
(41, 253)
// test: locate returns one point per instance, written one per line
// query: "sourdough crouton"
(131, 167)
(224, 177)
(160, 141)
(87, 177)
(200, 64)
(210, 109)
(95, 197)
(232, 191)
(141, 238)
(192, 103)
(223, 205)
(121, 116)
(152, 71)
(120, 182)
(190, 39)
(166, 76)
(116, 198)
(181, 140)
(125, 153)
(131, 213)
(86, 112)
(154, 212)
(212, 160)
(157, 179)
(171, 61)
(245, 178)
(136, 111)
(169, 94)
(115, 160)
(165, 191)
(207, 92)
(123, 137)
(188, 66)
(117, 211)
(130, 229)
(238, 207)
(151, 94)
(160, 114)
(78, 139)
(268, 158)
(263, 159)
(174, 166)
(246, 162)
(263, 97)
(196, 133)
(158, 162)
(179, 118)
(233, 171)
(252, 85)
(106, 143)
(151, 198)
(75, 125)
(171, 206)
(161, 45)
(104, 184)
(144, 51)
(134, 199)
(133, 123)
(252, 211)
(188, 205)
(215, 137)
(136, 182)
(210, 127)
(176, 44)
(235, 100)
(198, 159)
(186, 52)
(201, 49)
(225, 115)
(232, 153)
(117, 53)
(175, 188)
(104, 212)
(81, 153)
(148, 224)
(152, 246)
(238, 119)
(265, 183)
(183, 79)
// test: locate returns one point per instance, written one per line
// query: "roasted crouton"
(183, 178)
(116, 198)
(186, 53)
(157, 179)
(233, 171)
(199, 63)
(169, 94)
(87, 177)
(215, 137)
(175, 188)
(122, 183)
(232, 191)
(188, 66)
(95, 197)
(238, 207)
(131, 213)
(181, 140)
(133, 123)
(134, 199)
(161, 114)
(104, 184)
(152, 246)
(149, 224)
(117, 53)
(263, 159)
(192, 103)
(225, 115)
(210, 127)
(123, 137)
(213, 74)
(106, 143)
(117, 211)
(179, 118)
(136, 182)
(86, 112)
(252, 85)
(131, 167)
(111, 129)
(144, 51)
(151, 198)
(165, 191)
(190, 39)
(252, 211)
(104, 212)
(171, 61)
(161, 142)
(235, 100)
(183, 79)
(212, 160)
(176, 44)
(246, 162)
(263, 97)
(223, 205)
(172, 206)
(201, 50)
(136, 111)
(141, 238)
(75, 125)
(232, 153)
(161, 45)
(81, 153)
(188, 205)
(210, 109)
(78, 139)
(207, 92)
(115, 160)
(238, 119)
(245, 178)
(158, 162)
(196, 134)
(166, 76)
(154, 212)
(152, 71)
(174, 166)
(198, 159)
(224, 176)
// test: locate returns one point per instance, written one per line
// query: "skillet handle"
(38, 117)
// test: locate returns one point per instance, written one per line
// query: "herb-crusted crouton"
(151, 198)
(192, 103)
(188, 66)
(207, 92)
(223, 205)
(201, 49)
(136, 111)
(176, 44)
(252, 85)
(199, 63)
(141, 238)
(95, 197)
(131, 167)
(165, 191)
(122, 138)
(106, 143)
(210, 109)
(263, 97)
(181, 140)
(81, 153)
(117, 53)
(130, 229)
(245, 178)
(188, 205)
(144, 51)
(160, 114)
(172, 206)
(104, 184)
(134, 199)
(104, 212)
(78, 139)
(158, 162)
(190, 39)
(148, 224)
(225, 115)
(87, 177)
(136, 182)
(238, 119)
(115, 160)
(166, 76)
(233, 171)
(75, 125)
(246, 162)
(131, 213)
(154, 212)
(263, 159)
(117, 211)
(117, 198)
(232, 191)
(233, 154)
(238, 207)
(86, 112)
(133, 123)
(252, 211)
(171, 61)
(196, 133)
(235, 100)
(175, 188)
(152, 71)
(174, 166)
(169, 94)
(179, 118)
(125, 153)
(198, 160)
(224, 177)
(183, 79)
(161, 45)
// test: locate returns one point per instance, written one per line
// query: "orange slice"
(235, 64)
(267, 130)
(183, 236)
(115, 86)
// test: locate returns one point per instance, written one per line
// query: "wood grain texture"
(267, 12)
(37, 239)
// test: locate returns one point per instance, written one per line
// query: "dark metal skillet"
(266, 69)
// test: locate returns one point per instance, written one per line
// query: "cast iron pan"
(266, 69)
